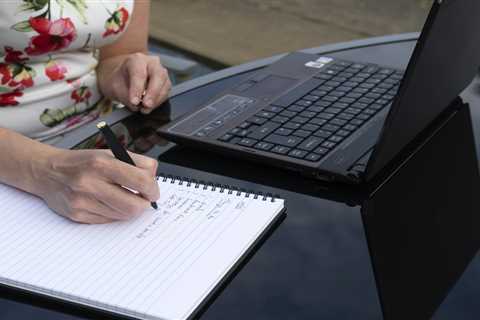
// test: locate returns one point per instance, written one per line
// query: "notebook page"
(159, 266)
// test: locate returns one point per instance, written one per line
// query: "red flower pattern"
(14, 56)
(117, 22)
(55, 71)
(52, 36)
(82, 94)
(8, 99)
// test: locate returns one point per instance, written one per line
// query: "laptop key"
(321, 151)
(330, 98)
(337, 94)
(315, 109)
(307, 114)
(333, 110)
(340, 105)
(323, 104)
(266, 114)
(347, 100)
(299, 154)
(284, 141)
(247, 142)
(288, 114)
(359, 105)
(343, 89)
(265, 146)
(370, 112)
(338, 122)
(330, 127)
(292, 125)
(350, 127)
(310, 127)
(280, 119)
(295, 108)
(363, 117)
(313, 157)
(323, 134)
(304, 103)
(242, 133)
(226, 137)
(257, 120)
(317, 121)
(261, 132)
(336, 139)
(326, 116)
(354, 95)
(310, 143)
(311, 98)
(354, 111)
(302, 133)
(280, 150)
(284, 132)
(329, 145)
(244, 125)
(345, 116)
(342, 133)
(300, 119)
(273, 109)
(366, 100)
(297, 93)
(357, 122)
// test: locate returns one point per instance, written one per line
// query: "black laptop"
(341, 120)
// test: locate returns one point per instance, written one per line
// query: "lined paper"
(161, 265)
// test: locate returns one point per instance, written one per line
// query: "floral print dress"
(48, 83)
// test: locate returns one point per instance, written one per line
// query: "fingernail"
(135, 101)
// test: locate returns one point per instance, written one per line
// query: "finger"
(147, 163)
(137, 78)
(157, 77)
(140, 177)
(161, 97)
(141, 161)
(86, 217)
(121, 200)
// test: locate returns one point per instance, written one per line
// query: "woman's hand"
(125, 78)
(86, 185)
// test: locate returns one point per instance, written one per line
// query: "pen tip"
(154, 205)
(101, 125)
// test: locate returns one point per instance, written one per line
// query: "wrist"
(40, 169)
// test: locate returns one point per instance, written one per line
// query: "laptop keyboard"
(312, 119)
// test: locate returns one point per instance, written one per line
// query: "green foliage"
(23, 26)
(33, 5)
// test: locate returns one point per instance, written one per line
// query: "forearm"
(22, 160)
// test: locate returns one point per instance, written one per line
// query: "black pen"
(117, 149)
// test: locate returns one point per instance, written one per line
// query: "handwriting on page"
(177, 207)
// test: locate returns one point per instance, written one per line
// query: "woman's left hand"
(137, 80)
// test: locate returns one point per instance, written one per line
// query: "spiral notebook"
(162, 265)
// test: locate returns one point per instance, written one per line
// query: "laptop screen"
(443, 64)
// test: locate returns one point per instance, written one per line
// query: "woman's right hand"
(86, 185)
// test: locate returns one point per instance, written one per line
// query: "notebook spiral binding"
(205, 185)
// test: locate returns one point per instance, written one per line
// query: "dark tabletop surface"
(408, 251)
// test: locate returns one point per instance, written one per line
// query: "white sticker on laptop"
(324, 60)
(313, 64)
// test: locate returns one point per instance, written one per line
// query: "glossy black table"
(406, 251)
